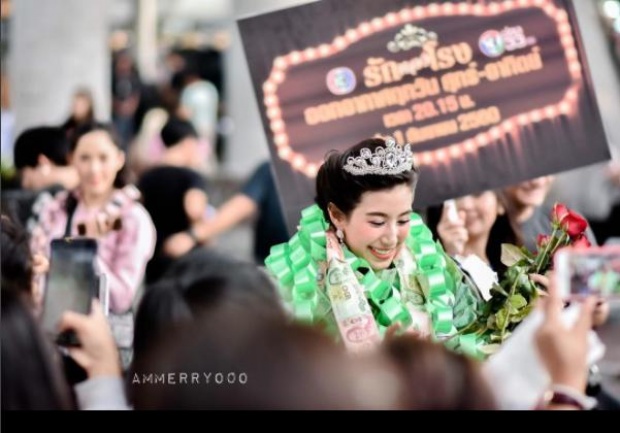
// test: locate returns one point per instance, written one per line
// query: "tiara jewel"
(391, 160)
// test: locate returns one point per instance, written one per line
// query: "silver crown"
(393, 159)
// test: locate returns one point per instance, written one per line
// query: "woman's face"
(531, 192)
(97, 161)
(377, 228)
(480, 212)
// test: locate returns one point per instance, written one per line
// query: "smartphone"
(72, 282)
(588, 271)
(451, 211)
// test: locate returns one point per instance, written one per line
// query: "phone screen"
(592, 271)
(72, 280)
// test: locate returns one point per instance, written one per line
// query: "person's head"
(181, 139)
(38, 150)
(31, 380)
(16, 259)
(531, 193)
(98, 159)
(259, 363)
(371, 210)
(82, 108)
(200, 283)
(437, 378)
(481, 211)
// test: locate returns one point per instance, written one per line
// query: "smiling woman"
(363, 262)
(103, 209)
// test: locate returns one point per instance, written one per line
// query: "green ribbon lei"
(424, 278)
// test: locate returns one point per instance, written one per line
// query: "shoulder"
(50, 202)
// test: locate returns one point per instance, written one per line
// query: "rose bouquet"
(513, 298)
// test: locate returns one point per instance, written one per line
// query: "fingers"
(540, 279)
(40, 264)
(73, 320)
(584, 322)
(80, 356)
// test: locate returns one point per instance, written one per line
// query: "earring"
(340, 235)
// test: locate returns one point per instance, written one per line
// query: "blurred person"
(126, 92)
(82, 111)
(102, 208)
(174, 195)
(200, 283)
(481, 226)
(200, 102)
(258, 198)
(254, 362)
(437, 378)
(147, 148)
(32, 376)
(41, 158)
(19, 268)
(526, 206)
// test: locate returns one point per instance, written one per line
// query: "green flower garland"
(453, 305)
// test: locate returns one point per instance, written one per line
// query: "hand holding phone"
(72, 283)
(451, 229)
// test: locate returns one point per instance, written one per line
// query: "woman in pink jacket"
(100, 207)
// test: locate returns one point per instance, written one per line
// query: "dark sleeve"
(195, 180)
(259, 185)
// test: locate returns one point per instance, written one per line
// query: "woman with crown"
(363, 263)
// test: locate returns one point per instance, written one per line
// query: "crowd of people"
(344, 327)
(345, 314)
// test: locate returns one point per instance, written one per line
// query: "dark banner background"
(462, 162)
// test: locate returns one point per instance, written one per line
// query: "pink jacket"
(122, 254)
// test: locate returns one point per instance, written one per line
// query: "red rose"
(574, 224)
(581, 242)
(559, 212)
(542, 240)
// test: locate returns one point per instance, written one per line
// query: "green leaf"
(511, 254)
(518, 301)
(490, 349)
(501, 318)
(497, 288)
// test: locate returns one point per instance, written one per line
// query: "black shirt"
(163, 189)
(270, 226)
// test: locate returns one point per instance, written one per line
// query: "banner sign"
(488, 93)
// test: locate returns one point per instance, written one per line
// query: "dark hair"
(16, 258)
(43, 140)
(176, 130)
(72, 123)
(335, 185)
(87, 128)
(286, 366)
(201, 282)
(30, 379)
(86, 94)
(437, 378)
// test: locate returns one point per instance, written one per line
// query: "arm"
(99, 357)
(231, 213)
(135, 247)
